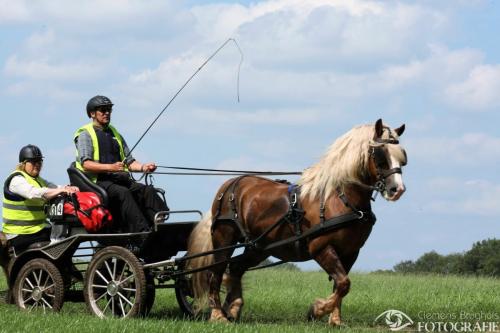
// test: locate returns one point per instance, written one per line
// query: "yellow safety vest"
(95, 145)
(26, 216)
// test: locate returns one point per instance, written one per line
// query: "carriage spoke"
(47, 303)
(99, 286)
(27, 299)
(113, 305)
(43, 305)
(128, 278)
(52, 285)
(27, 290)
(107, 304)
(50, 295)
(40, 277)
(121, 306)
(35, 277)
(114, 268)
(125, 299)
(109, 270)
(29, 282)
(98, 298)
(123, 271)
(46, 281)
(37, 280)
(129, 289)
(102, 276)
(34, 305)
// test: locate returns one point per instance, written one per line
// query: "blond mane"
(346, 161)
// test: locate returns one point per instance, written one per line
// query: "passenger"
(102, 154)
(25, 194)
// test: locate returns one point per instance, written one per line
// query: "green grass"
(277, 301)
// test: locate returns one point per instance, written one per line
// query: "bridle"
(378, 155)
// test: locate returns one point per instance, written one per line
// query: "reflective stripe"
(23, 223)
(27, 216)
(25, 208)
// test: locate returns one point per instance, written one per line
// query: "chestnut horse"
(249, 209)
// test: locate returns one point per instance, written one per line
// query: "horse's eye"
(406, 158)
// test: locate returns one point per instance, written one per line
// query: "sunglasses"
(105, 110)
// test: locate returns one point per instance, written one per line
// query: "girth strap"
(231, 189)
(295, 212)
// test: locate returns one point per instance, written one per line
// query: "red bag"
(89, 210)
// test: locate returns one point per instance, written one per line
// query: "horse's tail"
(200, 241)
(4, 253)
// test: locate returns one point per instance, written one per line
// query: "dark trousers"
(22, 241)
(134, 204)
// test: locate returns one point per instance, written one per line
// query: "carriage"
(327, 217)
(114, 278)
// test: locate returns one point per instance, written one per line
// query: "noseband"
(378, 155)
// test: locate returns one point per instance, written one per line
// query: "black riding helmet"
(97, 101)
(30, 152)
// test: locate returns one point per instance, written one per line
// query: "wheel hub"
(37, 294)
(112, 288)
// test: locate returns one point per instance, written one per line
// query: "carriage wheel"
(39, 286)
(115, 284)
(184, 293)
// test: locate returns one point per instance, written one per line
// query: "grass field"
(277, 301)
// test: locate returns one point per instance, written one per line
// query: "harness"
(293, 217)
(295, 213)
(232, 215)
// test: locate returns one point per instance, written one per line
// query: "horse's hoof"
(336, 322)
(218, 319)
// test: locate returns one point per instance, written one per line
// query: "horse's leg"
(215, 281)
(223, 235)
(330, 262)
(234, 299)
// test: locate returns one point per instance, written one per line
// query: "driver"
(103, 155)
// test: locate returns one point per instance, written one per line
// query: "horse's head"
(387, 158)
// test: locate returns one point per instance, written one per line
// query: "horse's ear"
(379, 128)
(400, 130)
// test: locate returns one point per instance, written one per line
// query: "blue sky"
(313, 70)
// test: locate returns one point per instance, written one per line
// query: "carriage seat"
(79, 179)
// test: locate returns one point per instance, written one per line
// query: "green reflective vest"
(95, 145)
(26, 216)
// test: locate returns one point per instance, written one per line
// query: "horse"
(269, 217)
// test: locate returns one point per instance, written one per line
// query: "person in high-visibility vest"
(25, 194)
(103, 155)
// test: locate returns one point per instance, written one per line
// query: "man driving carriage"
(103, 155)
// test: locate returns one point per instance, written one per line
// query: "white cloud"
(314, 54)
(470, 149)
(477, 197)
(93, 11)
(479, 91)
(14, 11)
(43, 70)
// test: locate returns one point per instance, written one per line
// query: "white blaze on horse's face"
(396, 157)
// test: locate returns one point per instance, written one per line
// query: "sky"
(312, 70)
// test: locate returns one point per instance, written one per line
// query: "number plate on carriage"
(56, 209)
